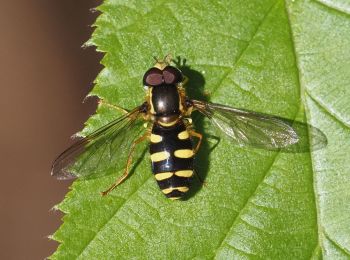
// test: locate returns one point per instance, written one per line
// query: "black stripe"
(170, 144)
(175, 194)
(174, 181)
(172, 164)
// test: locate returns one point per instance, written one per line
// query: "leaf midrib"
(304, 93)
(307, 115)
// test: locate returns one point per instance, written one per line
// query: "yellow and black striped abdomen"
(172, 158)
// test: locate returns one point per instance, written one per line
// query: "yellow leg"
(199, 136)
(129, 161)
(185, 80)
(206, 94)
(102, 102)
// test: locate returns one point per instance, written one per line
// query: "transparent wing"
(103, 152)
(248, 128)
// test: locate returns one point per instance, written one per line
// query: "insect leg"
(128, 163)
(185, 80)
(102, 102)
(204, 183)
(199, 136)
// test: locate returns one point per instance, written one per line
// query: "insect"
(170, 133)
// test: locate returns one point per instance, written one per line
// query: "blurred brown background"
(44, 75)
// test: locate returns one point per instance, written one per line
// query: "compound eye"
(172, 75)
(153, 77)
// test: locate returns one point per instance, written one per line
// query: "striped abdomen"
(172, 158)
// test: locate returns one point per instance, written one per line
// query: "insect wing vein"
(97, 154)
(247, 128)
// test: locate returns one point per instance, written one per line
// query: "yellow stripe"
(183, 153)
(150, 100)
(167, 190)
(185, 173)
(163, 175)
(182, 189)
(156, 138)
(168, 124)
(183, 135)
(175, 198)
(157, 157)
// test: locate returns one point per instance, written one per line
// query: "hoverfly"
(168, 110)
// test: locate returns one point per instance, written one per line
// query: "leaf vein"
(336, 244)
(231, 69)
(140, 17)
(327, 110)
(240, 250)
(333, 8)
(111, 217)
(236, 219)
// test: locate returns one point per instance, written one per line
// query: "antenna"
(156, 59)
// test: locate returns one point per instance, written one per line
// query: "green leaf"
(287, 58)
